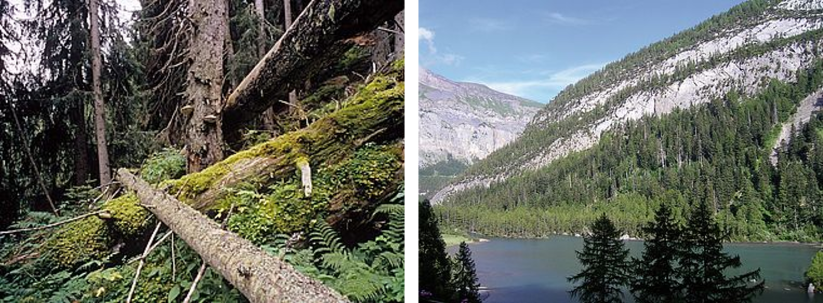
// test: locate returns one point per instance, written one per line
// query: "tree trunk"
(230, 55)
(258, 275)
(287, 14)
(319, 35)
(261, 31)
(99, 105)
(292, 94)
(399, 39)
(81, 152)
(375, 115)
(204, 81)
(259, 6)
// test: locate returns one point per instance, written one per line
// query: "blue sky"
(534, 48)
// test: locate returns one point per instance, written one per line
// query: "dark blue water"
(523, 270)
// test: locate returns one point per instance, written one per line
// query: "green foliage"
(654, 276)
(703, 264)
(464, 276)
(164, 165)
(370, 272)
(605, 269)
(815, 272)
(370, 170)
(434, 270)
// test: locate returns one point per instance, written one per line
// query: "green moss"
(399, 64)
(127, 215)
(372, 169)
(78, 241)
(289, 209)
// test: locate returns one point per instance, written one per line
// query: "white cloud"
(555, 82)
(451, 59)
(488, 25)
(559, 18)
(571, 75)
(428, 36)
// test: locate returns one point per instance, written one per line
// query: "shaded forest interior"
(270, 127)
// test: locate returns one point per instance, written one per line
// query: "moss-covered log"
(258, 275)
(321, 34)
(374, 114)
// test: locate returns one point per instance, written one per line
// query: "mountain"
(461, 123)
(739, 50)
(724, 111)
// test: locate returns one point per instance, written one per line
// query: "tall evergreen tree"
(655, 277)
(605, 267)
(465, 276)
(703, 263)
(434, 266)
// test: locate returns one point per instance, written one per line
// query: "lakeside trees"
(443, 279)
(678, 264)
(655, 272)
(605, 269)
(434, 268)
(464, 275)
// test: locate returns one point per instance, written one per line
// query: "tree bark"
(287, 14)
(99, 105)
(319, 35)
(230, 55)
(260, 8)
(258, 275)
(399, 39)
(204, 137)
(293, 93)
(81, 153)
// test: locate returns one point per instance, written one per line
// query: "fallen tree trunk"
(319, 35)
(375, 114)
(258, 275)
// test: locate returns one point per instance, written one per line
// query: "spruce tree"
(465, 276)
(434, 266)
(655, 276)
(703, 263)
(605, 267)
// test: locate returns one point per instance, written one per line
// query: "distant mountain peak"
(464, 122)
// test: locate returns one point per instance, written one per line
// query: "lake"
(535, 270)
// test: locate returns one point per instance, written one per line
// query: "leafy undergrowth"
(94, 259)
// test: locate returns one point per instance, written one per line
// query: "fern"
(326, 239)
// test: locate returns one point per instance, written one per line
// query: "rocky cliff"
(461, 123)
(467, 121)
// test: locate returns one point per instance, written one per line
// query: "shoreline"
(629, 238)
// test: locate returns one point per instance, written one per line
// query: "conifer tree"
(703, 263)
(434, 265)
(655, 275)
(465, 276)
(605, 267)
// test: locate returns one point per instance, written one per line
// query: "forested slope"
(717, 152)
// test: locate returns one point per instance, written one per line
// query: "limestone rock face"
(685, 70)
